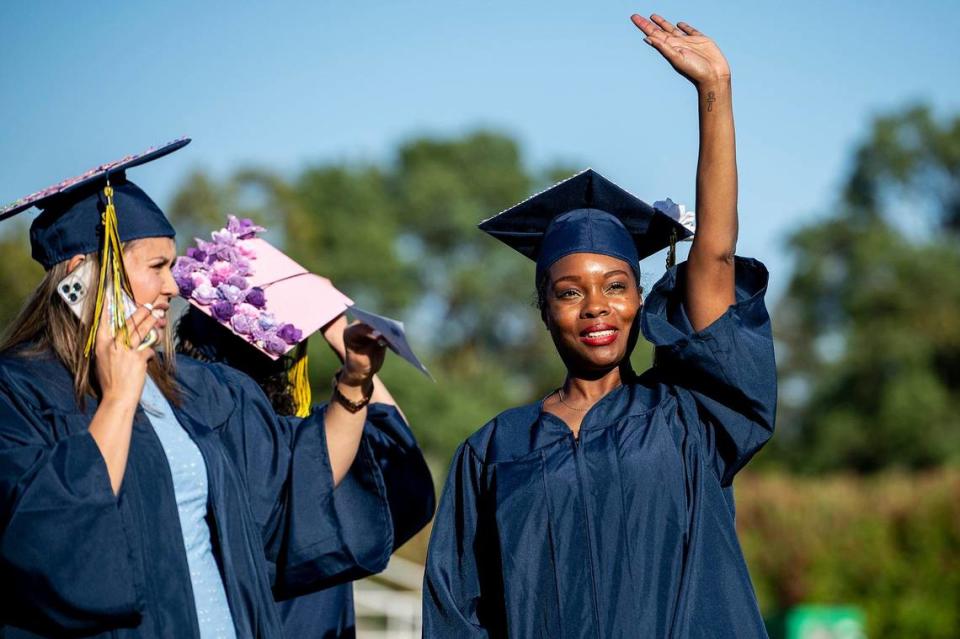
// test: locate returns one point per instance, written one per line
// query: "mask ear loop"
(111, 259)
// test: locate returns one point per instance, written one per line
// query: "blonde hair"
(45, 323)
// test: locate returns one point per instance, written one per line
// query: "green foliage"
(889, 544)
(19, 274)
(869, 329)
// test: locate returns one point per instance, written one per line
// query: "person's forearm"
(111, 428)
(344, 431)
(710, 275)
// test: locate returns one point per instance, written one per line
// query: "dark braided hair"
(202, 337)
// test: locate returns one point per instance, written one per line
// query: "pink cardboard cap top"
(293, 295)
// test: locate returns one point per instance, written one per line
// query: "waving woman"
(605, 509)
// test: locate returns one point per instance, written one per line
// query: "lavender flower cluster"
(215, 274)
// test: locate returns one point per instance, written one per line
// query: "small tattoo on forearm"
(711, 98)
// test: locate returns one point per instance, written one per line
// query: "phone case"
(76, 286)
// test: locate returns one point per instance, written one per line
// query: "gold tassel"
(672, 253)
(300, 380)
(111, 259)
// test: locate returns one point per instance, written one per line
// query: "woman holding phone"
(148, 495)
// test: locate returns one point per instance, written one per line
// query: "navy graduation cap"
(71, 219)
(586, 213)
(97, 211)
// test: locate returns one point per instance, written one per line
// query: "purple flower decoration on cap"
(221, 271)
(205, 247)
(223, 311)
(268, 322)
(231, 294)
(274, 345)
(259, 335)
(227, 254)
(185, 284)
(200, 278)
(205, 294)
(246, 309)
(239, 281)
(256, 298)
(243, 266)
(244, 228)
(223, 237)
(183, 266)
(214, 274)
(196, 254)
(242, 324)
(290, 334)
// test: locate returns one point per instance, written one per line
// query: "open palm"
(692, 54)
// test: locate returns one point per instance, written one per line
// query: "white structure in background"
(388, 605)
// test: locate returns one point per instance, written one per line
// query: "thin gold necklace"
(560, 395)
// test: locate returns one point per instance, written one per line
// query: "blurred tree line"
(869, 328)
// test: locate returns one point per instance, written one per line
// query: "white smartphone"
(81, 283)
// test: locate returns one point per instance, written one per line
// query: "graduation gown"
(628, 532)
(388, 444)
(75, 560)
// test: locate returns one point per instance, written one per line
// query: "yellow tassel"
(300, 380)
(111, 259)
(672, 253)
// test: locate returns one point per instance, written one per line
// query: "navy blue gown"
(389, 445)
(77, 561)
(628, 531)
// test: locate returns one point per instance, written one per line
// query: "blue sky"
(283, 84)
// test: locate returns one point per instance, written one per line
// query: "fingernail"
(148, 306)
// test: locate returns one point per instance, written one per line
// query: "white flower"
(679, 213)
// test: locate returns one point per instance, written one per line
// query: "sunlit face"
(148, 262)
(591, 303)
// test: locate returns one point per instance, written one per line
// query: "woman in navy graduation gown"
(149, 496)
(387, 442)
(606, 510)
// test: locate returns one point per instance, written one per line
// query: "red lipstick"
(599, 334)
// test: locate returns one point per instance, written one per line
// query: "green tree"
(869, 327)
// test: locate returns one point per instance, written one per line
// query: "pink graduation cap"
(255, 290)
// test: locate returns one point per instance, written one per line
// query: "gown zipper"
(586, 519)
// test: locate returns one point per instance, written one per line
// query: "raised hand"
(694, 56)
(365, 350)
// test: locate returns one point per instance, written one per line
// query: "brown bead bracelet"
(343, 400)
